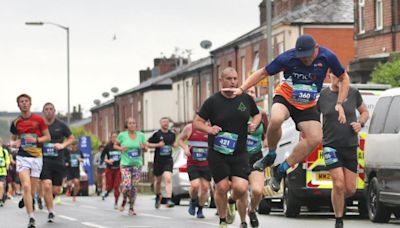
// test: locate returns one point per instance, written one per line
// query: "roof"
(102, 105)
(391, 92)
(80, 123)
(321, 12)
(316, 12)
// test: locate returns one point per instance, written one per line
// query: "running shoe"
(1, 203)
(170, 204)
(276, 179)
(223, 225)
(339, 224)
(200, 214)
(253, 219)
(50, 217)
(57, 200)
(243, 225)
(158, 201)
(264, 162)
(31, 223)
(40, 203)
(230, 217)
(192, 207)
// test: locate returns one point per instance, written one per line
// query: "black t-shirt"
(74, 162)
(164, 153)
(58, 132)
(110, 153)
(230, 114)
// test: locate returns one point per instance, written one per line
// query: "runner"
(53, 157)
(132, 144)
(255, 142)
(4, 163)
(227, 156)
(340, 142)
(73, 170)
(29, 132)
(197, 167)
(112, 158)
(304, 69)
(98, 161)
(163, 140)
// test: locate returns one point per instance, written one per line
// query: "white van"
(382, 158)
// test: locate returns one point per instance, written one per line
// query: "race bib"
(75, 160)
(49, 150)
(2, 162)
(134, 153)
(225, 142)
(25, 144)
(115, 155)
(253, 144)
(199, 154)
(329, 155)
(304, 94)
(165, 151)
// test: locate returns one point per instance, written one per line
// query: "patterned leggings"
(130, 177)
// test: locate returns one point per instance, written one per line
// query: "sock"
(283, 167)
(31, 215)
(50, 210)
(221, 220)
(200, 208)
(272, 151)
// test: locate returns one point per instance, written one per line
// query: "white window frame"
(361, 19)
(379, 14)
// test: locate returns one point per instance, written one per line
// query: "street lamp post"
(68, 89)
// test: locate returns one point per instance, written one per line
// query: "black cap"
(305, 45)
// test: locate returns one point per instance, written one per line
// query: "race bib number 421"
(225, 142)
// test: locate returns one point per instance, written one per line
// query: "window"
(392, 125)
(361, 16)
(208, 87)
(243, 62)
(379, 116)
(256, 65)
(198, 94)
(378, 14)
(230, 63)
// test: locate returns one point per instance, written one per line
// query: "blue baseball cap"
(305, 46)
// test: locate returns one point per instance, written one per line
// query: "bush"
(388, 73)
(94, 140)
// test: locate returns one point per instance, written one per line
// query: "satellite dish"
(206, 44)
(96, 102)
(114, 89)
(105, 94)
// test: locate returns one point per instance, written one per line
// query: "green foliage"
(95, 141)
(388, 73)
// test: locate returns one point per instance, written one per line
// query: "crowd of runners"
(224, 144)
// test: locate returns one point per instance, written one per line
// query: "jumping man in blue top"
(304, 69)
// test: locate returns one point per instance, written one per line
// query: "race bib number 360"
(225, 142)
(304, 94)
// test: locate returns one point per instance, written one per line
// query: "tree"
(388, 73)
(94, 140)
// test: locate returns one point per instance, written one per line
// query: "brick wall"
(339, 40)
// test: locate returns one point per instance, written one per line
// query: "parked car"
(382, 158)
(180, 177)
(309, 183)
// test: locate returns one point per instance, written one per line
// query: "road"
(93, 212)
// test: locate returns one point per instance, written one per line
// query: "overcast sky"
(33, 58)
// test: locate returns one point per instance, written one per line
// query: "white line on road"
(92, 225)
(69, 204)
(90, 207)
(207, 223)
(136, 226)
(155, 216)
(67, 218)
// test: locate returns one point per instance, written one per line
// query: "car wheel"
(376, 210)
(264, 208)
(291, 206)
(176, 200)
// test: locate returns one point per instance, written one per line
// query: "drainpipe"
(395, 20)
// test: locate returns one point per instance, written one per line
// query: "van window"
(379, 116)
(392, 124)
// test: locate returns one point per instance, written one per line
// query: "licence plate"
(323, 177)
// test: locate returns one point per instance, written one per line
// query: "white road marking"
(90, 207)
(136, 226)
(69, 204)
(93, 225)
(67, 218)
(207, 223)
(154, 216)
